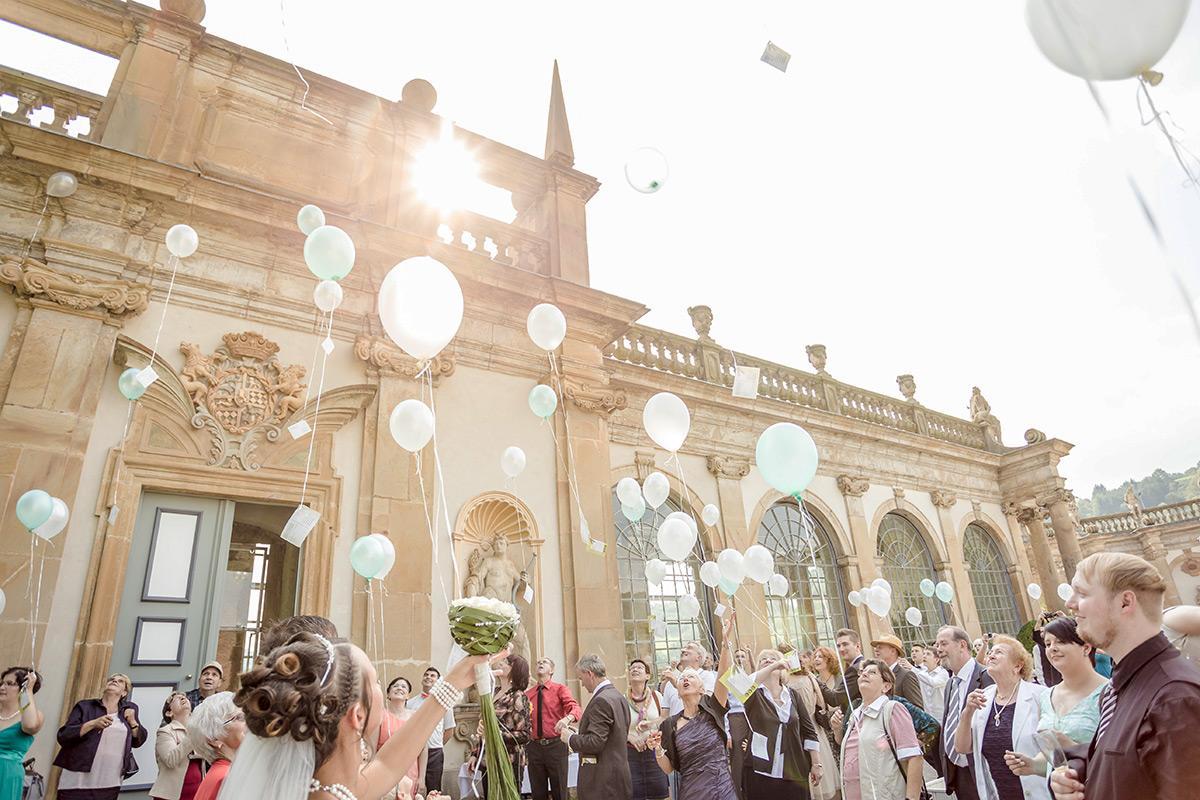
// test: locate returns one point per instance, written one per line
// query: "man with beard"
(1147, 742)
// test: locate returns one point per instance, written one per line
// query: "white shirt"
(671, 694)
(784, 710)
(933, 685)
(601, 685)
(436, 739)
(964, 678)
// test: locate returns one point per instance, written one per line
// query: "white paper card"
(742, 683)
(596, 546)
(528, 594)
(298, 429)
(776, 56)
(793, 660)
(327, 345)
(719, 610)
(758, 746)
(112, 514)
(745, 382)
(299, 525)
(147, 376)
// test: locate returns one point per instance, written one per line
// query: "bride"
(311, 705)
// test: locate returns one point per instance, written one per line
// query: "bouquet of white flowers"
(484, 626)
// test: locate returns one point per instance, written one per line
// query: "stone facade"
(198, 130)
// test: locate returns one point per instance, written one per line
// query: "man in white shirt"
(441, 734)
(953, 646)
(690, 657)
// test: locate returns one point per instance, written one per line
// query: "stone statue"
(1133, 503)
(494, 575)
(702, 320)
(908, 387)
(816, 357)
(981, 414)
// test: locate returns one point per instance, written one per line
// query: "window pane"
(990, 582)
(172, 557)
(906, 562)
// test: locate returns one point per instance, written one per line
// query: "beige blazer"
(171, 751)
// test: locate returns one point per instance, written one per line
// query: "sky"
(921, 191)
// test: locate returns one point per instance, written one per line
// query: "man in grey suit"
(953, 646)
(602, 736)
(889, 650)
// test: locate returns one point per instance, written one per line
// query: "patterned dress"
(703, 765)
(513, 713)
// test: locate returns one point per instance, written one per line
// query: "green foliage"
(1158, 488)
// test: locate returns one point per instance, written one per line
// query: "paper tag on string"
(584, 530)
(719, 610)
(298, 429)
(793, 661)
(299, 525)
(528, 594)
(596, 546)
(327, 345)
(758, 746)
(112, 514)
(776, 56)
(146, 376)
(745, 382)
(738, 682)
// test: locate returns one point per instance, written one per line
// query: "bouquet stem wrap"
(483, 626)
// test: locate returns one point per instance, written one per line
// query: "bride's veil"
(278, 768)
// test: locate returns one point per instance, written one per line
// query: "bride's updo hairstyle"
(302, 689)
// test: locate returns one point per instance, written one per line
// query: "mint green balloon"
(34, 507)
(367, 556)
(129, 385)
(787, 457)
(727, 586)
(927, 587)
(329, 253)
(543, 401)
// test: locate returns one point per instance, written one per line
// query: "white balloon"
(421, 306)
(913, 616)
(656, 489)
(882, 584)
(758, 563)
(710, 574)
(666, 420)
(710, 515)
(1105, 40)
(3, 601)
(675, 539)
(689, 607)
(730, 562)
(778, 586)
(182, 241)
(691, 523)
(512, 461)
(628, 491)
(879, 601)
(309, 219)
(635, 512)
(1034, 591)
(52, 527)
(656, 570)
(1065, 591)
(327, 295)
(61, 184)
(854, 598)
(547, 326)
(411, 424)
(944, 592)
(389, 551)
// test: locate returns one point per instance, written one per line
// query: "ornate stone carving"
(643, 462)
(908, 387)
(729, 467)
(981, 414)
(702, 320)
(1191, 564)
(898, 493)
(855, 487)
(1133, 502)
(597, 400)
(241, 395)
(379, 352)
(975, 511)
(1152, 548)
(1034, 436)
(1026, 515)
(816, 357)
(943, 499)
(36, 281)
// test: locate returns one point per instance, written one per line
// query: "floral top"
(512, 711)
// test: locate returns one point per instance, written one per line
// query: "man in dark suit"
(953, 646)
(849, 647)
(889, 649)
(601, 740)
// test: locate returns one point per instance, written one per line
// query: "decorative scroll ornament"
(729, 467)
(1034, 436)
(594, 399)
(855, 487)
(943, 499)
(387, 357)
(34, 280)
(241, 395)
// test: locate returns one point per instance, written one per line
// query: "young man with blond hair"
(1148, 738)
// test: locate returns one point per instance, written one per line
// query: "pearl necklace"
(337, 790)
(10, 716)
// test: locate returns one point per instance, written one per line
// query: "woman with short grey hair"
(215, 730)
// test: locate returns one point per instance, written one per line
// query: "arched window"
(990, 583)
(815, 606)
(637, 544)
(906, 562)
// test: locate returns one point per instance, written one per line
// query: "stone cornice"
(602, 400)
(852, 486)
(943, 499)
(728, 467)
(40, 284)
(387, 357)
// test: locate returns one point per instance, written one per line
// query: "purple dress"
(703, 762)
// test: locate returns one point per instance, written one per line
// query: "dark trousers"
(934, 759)
(964, 785)
(739, 732)
(547, 764)
(433, 769)
(760, 787)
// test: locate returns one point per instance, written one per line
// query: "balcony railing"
(502, 243)
(74, 110)
(705, 361)
(1186, 511)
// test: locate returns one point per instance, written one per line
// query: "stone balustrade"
(701, 359)
(504, 244)
(1126, 522)
(71, 106)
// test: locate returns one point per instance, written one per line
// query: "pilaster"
(863, 571)
(968, 613)
(1030, 516)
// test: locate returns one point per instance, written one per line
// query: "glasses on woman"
(9, 682)
(238, 717)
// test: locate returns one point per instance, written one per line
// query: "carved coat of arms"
(241, 394)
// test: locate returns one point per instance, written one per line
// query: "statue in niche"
(490, 573)
(981, 414)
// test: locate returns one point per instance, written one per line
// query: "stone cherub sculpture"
(981, 414)
(493, 574)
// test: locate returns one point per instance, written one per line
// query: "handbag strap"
(887, 734)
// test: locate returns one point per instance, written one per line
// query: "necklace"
(10, 716)
(336, 789)
(1000, 706)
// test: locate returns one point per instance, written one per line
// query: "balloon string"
(383, 624)
(371, 647)
(37, 229)
(429, 524)
(572, 478)
(288, 49)
(166, 303)
(116, 481)
(37, 607)
(312, 367)
(316, 414)
(440, 487)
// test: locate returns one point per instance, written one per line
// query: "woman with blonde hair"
(999, 722)
(97, 743)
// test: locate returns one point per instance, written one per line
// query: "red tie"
(541, 686)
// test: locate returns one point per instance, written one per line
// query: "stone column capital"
(1031, 515)
(730, 467)
(1055, 496)
(385, 356)
(943, 499)
(600, 400)
(43, 285)
(852, 486)
(643, 462)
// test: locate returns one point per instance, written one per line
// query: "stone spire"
(558, 133)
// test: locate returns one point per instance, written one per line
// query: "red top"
(557, 703)
(210, 787)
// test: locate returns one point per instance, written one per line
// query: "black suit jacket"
(854, 700)
(601, 744)
(908, 686)
(953, 773)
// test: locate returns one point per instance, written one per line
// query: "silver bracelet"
(446, 695)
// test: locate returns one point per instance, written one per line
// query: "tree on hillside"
(1158, 488)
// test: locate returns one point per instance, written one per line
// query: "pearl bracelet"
(446, 694)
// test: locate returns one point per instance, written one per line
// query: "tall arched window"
(637, 544)
(990, 582)
(814, 608)
(906, 562)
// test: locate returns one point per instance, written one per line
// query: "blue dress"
(1079, 724)
(14, 744)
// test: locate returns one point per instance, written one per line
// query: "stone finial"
(191, 10)
(852, 485)
(419, 94)
(702, 320)
(1034, 436)
(908, 387)
(816, 357)
(559, 149)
